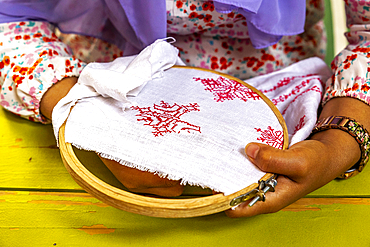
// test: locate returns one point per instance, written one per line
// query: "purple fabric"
(130, 24)
(268, 20)
(134, 24)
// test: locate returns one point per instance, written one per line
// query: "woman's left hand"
(303, 168)
(310, 164)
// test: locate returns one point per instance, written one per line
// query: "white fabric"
(106, 78)
(135, 71)
(184, 123)
(296, 91)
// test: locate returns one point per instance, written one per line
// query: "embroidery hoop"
(163, 207)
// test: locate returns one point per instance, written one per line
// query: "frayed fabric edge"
(161, 174)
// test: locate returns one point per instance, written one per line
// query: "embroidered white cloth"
(123, 77)
(183, 123)
(296, 91)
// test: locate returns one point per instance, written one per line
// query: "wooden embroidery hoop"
(161, 207)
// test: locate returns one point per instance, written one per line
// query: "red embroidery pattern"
(165, 118)
(225, 89)
(296, 91)
(271, 137)
(314, 89)
(286, 81)
(300, 124)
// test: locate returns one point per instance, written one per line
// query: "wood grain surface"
(41, 205)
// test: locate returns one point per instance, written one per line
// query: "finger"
(299, 167)
(269, 159)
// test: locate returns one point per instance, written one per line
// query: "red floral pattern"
(350, 67)
(34, 59)
(166, 118)
(286, 81)
(212, 40)
(299, 125)
(274, 138)
(226, 89)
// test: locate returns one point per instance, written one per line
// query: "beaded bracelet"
(354, 129)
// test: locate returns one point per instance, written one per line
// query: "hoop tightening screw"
(263, 188)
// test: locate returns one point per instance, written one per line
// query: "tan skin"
(303, 168)
(310, 164)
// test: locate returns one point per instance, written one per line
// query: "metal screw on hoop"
(258, 193)
(263, 188)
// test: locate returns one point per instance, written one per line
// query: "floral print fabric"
(212, 40)
(33, 57)
(350, 67)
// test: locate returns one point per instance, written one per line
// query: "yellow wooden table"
(40, 205)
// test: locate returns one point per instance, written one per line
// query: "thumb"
(273, 160)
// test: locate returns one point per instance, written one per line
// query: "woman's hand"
(307, 165)
(143, 182)
(132, 179)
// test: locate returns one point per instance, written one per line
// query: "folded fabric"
(118, 79)
(186, 124)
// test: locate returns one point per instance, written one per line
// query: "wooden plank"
(16, 131)
(33, 168)
(353, 187)
(30, 160)
(30, 157)
(75, 219)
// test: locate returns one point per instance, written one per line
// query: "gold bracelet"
(354, 129)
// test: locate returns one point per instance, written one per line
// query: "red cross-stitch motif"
(165, 118)
(271, 137)
(287, 80)
(300, 124)
(226, 89)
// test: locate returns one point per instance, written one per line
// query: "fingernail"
(252, 150)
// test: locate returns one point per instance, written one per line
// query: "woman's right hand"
(133, 179)
(142, 181)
